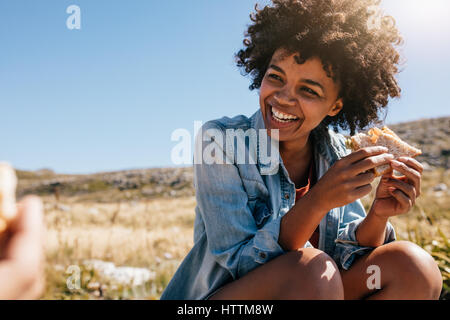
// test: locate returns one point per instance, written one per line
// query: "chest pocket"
(258, 195)
(261, 211)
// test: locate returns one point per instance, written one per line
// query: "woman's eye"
(306, 89)
(310, 91)
(274, 76)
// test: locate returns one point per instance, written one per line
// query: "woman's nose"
(284, 97)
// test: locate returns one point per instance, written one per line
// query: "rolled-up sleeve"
(347, 247)
(233, 237)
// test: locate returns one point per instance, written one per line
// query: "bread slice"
(383, 137)
(8, 184)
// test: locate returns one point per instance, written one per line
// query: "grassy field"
(156, 235)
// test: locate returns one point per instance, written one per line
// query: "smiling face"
(295, 98)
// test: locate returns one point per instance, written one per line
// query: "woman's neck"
(297, 156)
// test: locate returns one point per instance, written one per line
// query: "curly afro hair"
(354, 40)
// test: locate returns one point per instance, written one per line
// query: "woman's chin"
(280, 136)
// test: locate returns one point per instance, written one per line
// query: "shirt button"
(286, 196)
(262, 255)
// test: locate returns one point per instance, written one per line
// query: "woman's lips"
(274, 123)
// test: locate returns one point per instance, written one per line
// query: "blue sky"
(109, 96)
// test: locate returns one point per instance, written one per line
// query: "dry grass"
(154, 234)
(157, 234)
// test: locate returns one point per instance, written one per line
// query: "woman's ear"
(336, 108)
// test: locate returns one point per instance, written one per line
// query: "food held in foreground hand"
(386, 138)
(8, 184)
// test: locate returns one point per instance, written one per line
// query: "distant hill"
(108, 186)
(430, 135)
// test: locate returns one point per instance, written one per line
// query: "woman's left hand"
(396, 195)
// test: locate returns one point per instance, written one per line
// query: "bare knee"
(312, 274)
(415, 270)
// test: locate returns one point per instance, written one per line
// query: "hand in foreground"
(22, 253)
(396, 195)
(348, 179)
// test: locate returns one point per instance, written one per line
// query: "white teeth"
(283, 116)
(284, 121)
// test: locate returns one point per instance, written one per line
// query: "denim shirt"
(239, 210)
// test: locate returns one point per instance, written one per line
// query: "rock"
(176, 230)
(59, 267)
(147, 192)
(426, 166)
(62, 207)
(168, 256)
(438, 194)
(93, 286)
(134, 203)
(121, 275)
(93, 211)
(440, 187)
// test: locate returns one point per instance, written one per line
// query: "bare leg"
(407, 272)
(304, 274)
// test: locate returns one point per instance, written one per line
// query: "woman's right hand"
(348, 180)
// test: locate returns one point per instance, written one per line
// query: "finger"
(27, 231)
(403, 200)
(24, 252)
(362, 191)
(362, 179)
(388, 174)
(30, 215)
(411, 162)
(413, 175)
(35, 289)
(364, 153)
(20, 281)
(30, 219)
(407, 189)
(371, 162)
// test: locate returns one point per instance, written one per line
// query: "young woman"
(300, 231)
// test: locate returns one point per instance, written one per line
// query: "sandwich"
(386, 138)
(8, 184)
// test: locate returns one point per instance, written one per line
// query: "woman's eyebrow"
(314, 83)
(277, 68)
(309, 81)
